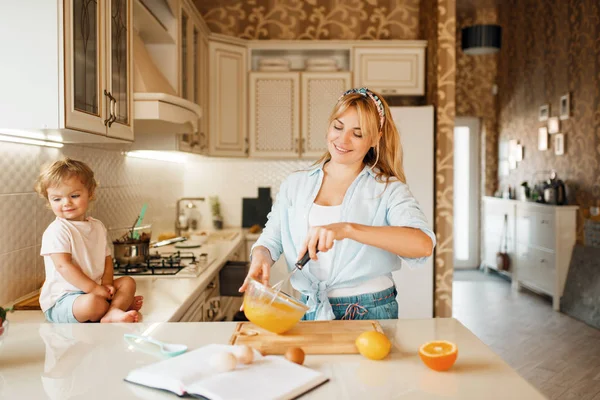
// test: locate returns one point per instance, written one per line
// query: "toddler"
(79, 285)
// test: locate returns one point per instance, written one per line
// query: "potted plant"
(4, 321)
(215, 207)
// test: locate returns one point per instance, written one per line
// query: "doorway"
(466, 192)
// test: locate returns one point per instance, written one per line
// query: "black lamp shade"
(481, 39)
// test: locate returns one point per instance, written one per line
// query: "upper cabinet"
(228, 99)
(289, 112)
(80, 83)
(391, 70)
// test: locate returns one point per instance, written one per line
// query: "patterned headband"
(367, 93)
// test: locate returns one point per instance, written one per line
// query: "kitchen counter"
(89, 361)
(167, 298)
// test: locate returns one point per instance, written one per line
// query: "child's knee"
(127, 283)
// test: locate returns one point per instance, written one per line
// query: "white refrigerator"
(415, 283)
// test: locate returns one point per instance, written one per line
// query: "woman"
(356, 209)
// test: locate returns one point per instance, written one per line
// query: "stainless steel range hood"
(157, 108)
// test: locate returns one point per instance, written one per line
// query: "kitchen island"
(52, 361)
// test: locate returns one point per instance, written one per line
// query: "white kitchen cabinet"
(289, 112)
(80, 77)
(541, 239)
(390, 71)
(228, 99)
(193, 73)
(274, 108)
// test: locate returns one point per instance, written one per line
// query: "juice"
(276, 317)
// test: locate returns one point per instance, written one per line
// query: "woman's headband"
(367, 93)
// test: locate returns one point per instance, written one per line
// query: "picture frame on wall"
(544, 112)
(553, 125)
(565, 106)
(559, 144)
(542, 138)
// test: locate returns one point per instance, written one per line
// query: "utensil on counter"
(169, 349)
(169, 241)
(128, 250)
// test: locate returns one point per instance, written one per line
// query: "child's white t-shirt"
(87, 244)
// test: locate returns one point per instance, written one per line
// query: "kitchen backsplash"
(124, 185)
(232, 179)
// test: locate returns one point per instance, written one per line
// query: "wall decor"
(544, 112)
(543, 138)
(559, 144)
(519, 153)
(553, 125)
(512, 153)
(565, 106)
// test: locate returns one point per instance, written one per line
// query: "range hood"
(157, 108)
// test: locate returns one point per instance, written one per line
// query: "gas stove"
(165, 264)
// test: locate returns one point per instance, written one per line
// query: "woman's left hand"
(322, 238)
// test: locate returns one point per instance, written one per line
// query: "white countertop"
(167, 298)
(51, 361)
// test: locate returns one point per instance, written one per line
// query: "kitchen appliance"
(132, 245)
(165, 264)
(555, 192)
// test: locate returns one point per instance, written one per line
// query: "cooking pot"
(131, 246)
(131, 253)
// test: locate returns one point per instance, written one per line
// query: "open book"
(268, 377)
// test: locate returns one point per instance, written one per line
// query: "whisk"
(299, 265)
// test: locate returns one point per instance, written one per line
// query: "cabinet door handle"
(542, 261)
(302, 145)
(388, 91)
(107, 94)
(211, 285)
(247, 142)
(545, 221)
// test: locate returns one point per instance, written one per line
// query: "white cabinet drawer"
(535, 228)
(545, 271)
(524, 263)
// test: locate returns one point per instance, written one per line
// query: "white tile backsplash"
(233, 179)
(124, 185)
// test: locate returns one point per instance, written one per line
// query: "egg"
(244, 354)
(295, 355)
(223, 362)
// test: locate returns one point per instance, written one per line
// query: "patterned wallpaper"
(434, 20)
(549, 49)
(312, 19)
(475, 78)
(438, 26)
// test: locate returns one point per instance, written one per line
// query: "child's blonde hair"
(52, 175)
(386, 157)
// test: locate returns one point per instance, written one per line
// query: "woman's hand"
(260, 267)
(322, 238)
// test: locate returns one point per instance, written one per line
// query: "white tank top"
(321, 269)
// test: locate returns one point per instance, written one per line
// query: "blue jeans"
(378, 305)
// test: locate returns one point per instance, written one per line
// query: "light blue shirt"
(366, 202)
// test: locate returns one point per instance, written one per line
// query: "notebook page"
(272, 377)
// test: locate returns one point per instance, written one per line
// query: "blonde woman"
(355, 208)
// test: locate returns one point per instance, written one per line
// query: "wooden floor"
(557, 354)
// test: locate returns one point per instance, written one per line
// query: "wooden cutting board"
(314, 337)
(30, 303)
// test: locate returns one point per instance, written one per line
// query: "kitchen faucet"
(178, 226)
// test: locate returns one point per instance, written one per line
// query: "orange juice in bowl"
(272, 310)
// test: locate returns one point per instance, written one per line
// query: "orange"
(438, 355)
(373, 345)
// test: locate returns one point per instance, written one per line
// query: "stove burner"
(156, 264)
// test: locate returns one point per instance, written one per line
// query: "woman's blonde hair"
(53, 174)
(385, 158)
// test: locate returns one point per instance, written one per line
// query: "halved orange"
(438, 355)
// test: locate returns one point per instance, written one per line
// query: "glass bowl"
(273, 311)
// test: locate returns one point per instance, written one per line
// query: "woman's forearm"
(403, 241)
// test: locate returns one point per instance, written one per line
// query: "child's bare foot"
(137, 303)
(117, 315)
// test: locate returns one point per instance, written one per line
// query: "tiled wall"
(124, 185)
(232, 179)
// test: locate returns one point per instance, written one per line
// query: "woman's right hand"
(260, 267)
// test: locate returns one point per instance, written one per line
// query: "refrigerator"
(415, 282)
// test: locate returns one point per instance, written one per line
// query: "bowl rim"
(281, 295)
